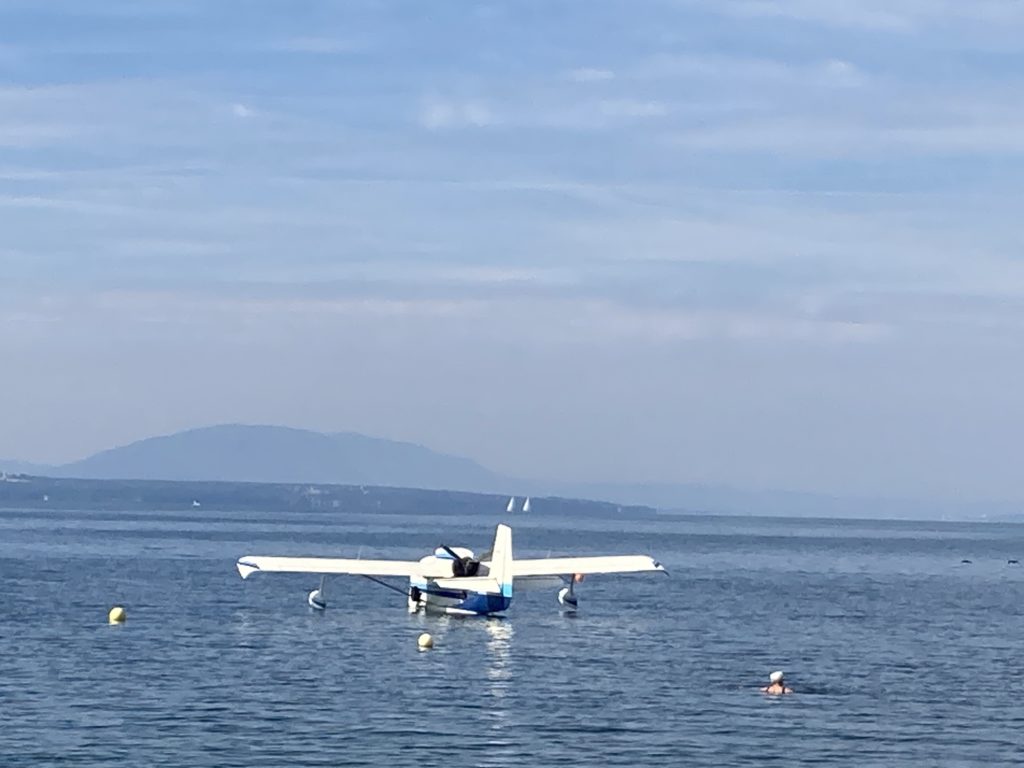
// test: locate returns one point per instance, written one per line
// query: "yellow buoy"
(117, 615)
(425, 641)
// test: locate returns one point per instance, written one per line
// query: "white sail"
(526, 504)
(511, 504)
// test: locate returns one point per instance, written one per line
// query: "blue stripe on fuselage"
(485, 603)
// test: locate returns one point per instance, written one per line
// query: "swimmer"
(777, 685)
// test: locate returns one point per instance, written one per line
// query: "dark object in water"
(1013, 562)
(965, 561)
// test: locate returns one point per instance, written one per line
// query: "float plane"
(454, 580)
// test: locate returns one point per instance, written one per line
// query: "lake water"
(900, 655)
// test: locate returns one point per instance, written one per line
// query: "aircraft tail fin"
(501, 559)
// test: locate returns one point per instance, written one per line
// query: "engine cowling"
(464, 562)
(465, 566)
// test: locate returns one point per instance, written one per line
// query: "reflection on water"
(499, 644)
(499, 674)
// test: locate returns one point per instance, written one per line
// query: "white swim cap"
(775, 677)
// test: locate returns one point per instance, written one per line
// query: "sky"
(756, 243)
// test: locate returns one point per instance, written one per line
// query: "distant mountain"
(267, 454)
(12, 467)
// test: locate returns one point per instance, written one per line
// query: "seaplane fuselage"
(444, 596)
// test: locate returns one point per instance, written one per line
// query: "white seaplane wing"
(250, 564)
(570, 566)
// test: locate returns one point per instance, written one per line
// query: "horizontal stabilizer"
(481, 584)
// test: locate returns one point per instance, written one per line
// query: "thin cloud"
(885, 15)
(589, 75)
(813, 135)
(864, 13)
(843, 73)
(633, 108)
(577, 319)
(749, 73)
(315, 45)
(438, 114)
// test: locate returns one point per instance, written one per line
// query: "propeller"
(461, 566)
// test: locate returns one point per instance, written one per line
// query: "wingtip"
(246, 569)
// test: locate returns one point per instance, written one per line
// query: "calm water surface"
(900, 654)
